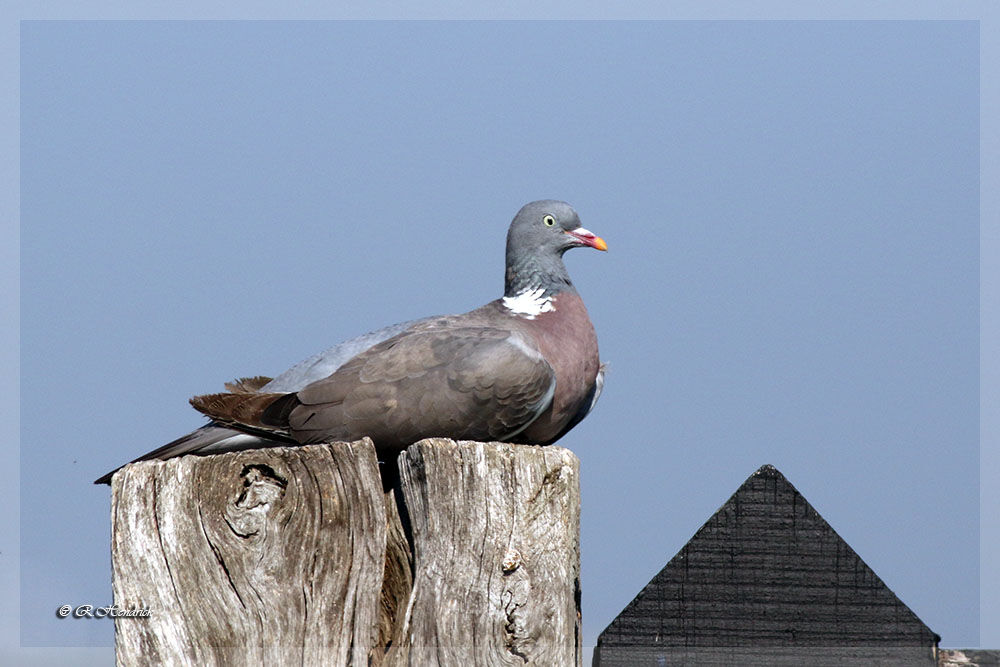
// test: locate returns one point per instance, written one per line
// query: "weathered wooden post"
(496, 555)
(299, 555)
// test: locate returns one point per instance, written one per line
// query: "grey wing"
(466, 383)
(325, 363)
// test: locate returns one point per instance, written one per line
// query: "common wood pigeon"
(523, 368)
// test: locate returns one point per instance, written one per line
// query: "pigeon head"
(538, 236)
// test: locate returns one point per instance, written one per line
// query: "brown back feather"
(238, 408)
(247, 385)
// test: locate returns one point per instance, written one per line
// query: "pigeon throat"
(532, 273)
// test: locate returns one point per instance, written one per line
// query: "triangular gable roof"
(765, 571)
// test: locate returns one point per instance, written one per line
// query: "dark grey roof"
(766, 580)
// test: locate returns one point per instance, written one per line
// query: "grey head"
(538, 236)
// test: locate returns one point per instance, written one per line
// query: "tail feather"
(211, 438)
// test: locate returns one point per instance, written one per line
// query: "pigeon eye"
(549, 221)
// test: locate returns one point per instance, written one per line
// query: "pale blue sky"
(792, 210)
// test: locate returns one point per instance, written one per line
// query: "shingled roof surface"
(766, 580)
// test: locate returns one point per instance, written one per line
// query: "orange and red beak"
(588, 238)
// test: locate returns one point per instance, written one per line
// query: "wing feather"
(474, 382)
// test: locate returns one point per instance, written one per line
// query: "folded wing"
(477, 383)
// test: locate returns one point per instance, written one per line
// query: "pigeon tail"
(212, 438)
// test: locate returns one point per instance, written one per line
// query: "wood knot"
(511, 561)
(261, 486)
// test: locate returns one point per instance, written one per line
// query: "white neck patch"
(529, 303)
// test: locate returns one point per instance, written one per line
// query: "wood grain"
(496, 555)
(271, 556)
(466, 554)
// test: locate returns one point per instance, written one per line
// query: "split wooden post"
(300, 555)
(496, 555)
